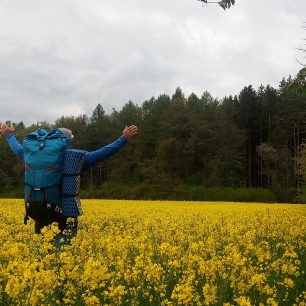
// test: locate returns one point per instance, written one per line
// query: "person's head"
(67, 133)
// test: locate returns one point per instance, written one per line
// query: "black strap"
(72, 174)
(50, 207)
(30, 195)
(41, 188)
(46, 196)
(26, 217)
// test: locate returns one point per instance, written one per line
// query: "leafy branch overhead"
(225, 4)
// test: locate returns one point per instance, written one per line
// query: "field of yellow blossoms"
(158, 253)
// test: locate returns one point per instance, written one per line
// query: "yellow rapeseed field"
(158, 253)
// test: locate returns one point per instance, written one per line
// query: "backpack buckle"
(41, 145)
(28, 205)
(58, 209)
(48, 206)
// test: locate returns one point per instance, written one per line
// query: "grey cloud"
(63, 57)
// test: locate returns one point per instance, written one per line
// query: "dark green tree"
(248, 111)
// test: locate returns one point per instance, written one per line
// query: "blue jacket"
(71, 205)
(90, 159)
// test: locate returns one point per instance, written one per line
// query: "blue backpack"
(44, 157)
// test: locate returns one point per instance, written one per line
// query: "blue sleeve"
(15, 145)
(94, 157)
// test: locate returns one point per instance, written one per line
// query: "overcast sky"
(63, 57)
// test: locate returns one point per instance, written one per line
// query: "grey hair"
(67, 132)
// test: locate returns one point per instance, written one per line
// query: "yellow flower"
(272, 302)
(243, 301)
(288, 282)
(210, 294)
(91, 300)
(158, 252)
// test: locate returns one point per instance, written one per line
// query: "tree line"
(188, 146)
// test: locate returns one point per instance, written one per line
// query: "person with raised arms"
(52, 173)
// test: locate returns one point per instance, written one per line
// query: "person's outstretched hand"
(5, 129)
(130, 131)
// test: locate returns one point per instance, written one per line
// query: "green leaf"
(225, 4)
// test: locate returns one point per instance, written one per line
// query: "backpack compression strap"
(49, 206)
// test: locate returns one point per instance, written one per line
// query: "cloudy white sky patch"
(64, 57)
